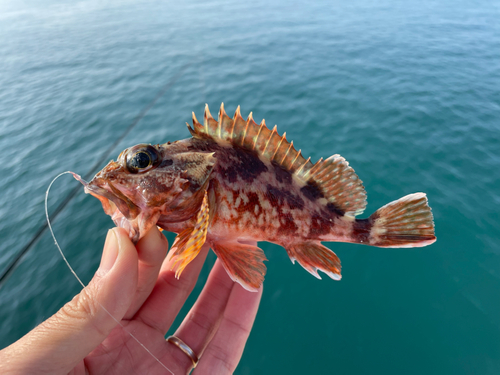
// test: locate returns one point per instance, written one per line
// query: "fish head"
(148, 181)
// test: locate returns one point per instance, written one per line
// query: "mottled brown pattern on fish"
(235, 182)
(261, 200)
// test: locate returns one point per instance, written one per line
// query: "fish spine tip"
(195, 120)
(237, 113)
(222, 112)
(207, 112)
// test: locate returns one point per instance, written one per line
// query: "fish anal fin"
(313, 256)
(244, 263)
(188, 243)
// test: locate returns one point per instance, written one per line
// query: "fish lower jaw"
(131, 227)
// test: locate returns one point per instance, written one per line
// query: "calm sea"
(408, 92)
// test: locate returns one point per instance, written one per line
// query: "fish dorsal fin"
(251, 136)
(332, 179)
(337, 182)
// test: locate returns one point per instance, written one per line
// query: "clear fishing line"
(80, 281)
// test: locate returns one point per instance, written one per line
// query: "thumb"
(62, 341)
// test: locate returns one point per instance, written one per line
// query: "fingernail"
(162, 236)
(110, 252)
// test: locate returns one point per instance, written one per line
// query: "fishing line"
(80, 281)
(8, 270)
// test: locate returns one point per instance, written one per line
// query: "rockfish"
(235, 182)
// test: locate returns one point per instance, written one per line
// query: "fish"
(235, 182)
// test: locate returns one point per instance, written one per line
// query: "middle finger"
(169, 293)
(202, 321)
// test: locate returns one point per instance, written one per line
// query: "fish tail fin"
(406, 222)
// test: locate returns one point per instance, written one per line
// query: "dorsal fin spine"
(222, 113)
(206, 116)
(235, 119)
(309, 173)
(269, 139)
(287, 152)
(336, 179)
(316, 167)
(197, 127)
(244, 135)
(257, 136)
(232, 129)
(279, 144)
(299, 170)
(299, 154)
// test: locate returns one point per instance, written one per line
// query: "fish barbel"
(235, 182)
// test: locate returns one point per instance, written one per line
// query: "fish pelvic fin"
(244, 263)
(406, 222)
(188, 243)
(314, 257)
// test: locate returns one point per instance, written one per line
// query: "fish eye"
(142, 159)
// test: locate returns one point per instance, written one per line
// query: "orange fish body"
(235, 182)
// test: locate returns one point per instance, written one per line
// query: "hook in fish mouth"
(111, 200)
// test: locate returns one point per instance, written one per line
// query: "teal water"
(408, 92)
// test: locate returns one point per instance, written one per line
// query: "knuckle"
(237, 326)
(223, 360)
(83, 308)
(182, 284)
(202, 321)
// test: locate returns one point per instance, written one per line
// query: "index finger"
(169, 293)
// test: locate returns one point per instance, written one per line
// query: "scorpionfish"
(236, 182)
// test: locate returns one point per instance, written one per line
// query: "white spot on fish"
(245, 199)
(264, 203)
(260, 221)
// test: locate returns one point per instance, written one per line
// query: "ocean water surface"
(408, 92)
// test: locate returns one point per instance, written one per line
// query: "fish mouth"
(114, 202)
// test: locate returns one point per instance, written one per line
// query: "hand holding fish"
(136, 285)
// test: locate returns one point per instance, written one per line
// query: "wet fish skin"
(235, 182)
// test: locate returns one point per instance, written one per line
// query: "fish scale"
(236, 182)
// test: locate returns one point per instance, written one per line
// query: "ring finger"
(204, 318)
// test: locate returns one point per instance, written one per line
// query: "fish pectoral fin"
(188, 243)
(244, 263)
(313, 256)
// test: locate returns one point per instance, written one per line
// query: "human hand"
(135, 285)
